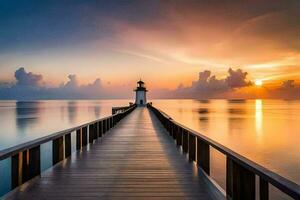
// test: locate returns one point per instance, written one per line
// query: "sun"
(258, 82)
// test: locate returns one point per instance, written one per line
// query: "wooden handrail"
(238, 166)
(116, 110)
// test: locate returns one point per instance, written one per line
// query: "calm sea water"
(23, 121)
(265, 131)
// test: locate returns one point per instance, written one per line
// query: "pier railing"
(240, 171)
(116, 110)
(25, 158)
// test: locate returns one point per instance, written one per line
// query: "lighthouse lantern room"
(140, 94)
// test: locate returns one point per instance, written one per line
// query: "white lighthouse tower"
(140, 94)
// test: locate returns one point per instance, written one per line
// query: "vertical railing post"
(96, 130)
(174, 130)
(91, 133)
(118, 118)
(108, 123)
(114, 120)
(34, 162)
(263, 189)
(104, 126)
(192, 148)
(15, 172)
(179, 136)
(68, 147)
(78, 139)
(240, 182)
(229, 178)
(185, 141)
(25, 166)
(84, 136)
(57, 150)
(96, 133)
(100, 128)
(203, 155)
(170, 127)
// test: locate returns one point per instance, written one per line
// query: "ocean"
(265, 131)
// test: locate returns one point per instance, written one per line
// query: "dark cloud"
(288, 84)
(27, 78)
(237, 78)
(209, 83)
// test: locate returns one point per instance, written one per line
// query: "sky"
(181, 49)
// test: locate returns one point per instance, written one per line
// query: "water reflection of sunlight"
(258, 116)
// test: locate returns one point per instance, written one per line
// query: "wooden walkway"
(134, 160)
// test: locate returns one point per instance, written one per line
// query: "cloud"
(30, 86)
(288, 84)
(72, 83)
(234, 85)
(208, 85)
(237, 78)
(27, 78)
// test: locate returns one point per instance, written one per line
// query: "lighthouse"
(140, 94)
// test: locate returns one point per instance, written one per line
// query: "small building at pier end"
(140, 94)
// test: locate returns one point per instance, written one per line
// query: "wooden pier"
(137, 153)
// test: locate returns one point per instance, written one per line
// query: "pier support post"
(68, 148)
(240, 182)
(203, 155)
(57, 150)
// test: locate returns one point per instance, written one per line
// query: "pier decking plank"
(135, 160)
